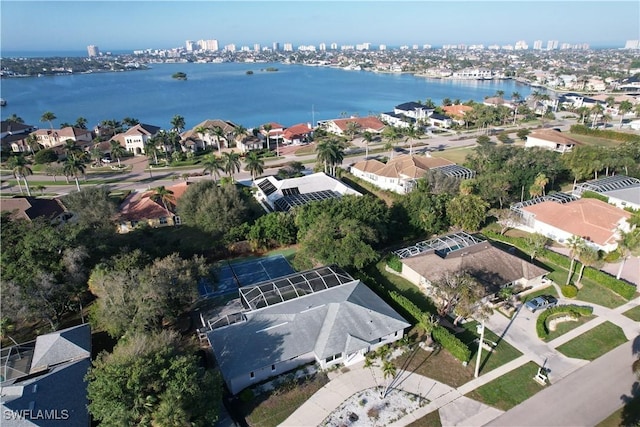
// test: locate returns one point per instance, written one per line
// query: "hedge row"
(624, 289)
(451, 343)
(542, 328)
(608, 134)
(394, 263)
(445, 338)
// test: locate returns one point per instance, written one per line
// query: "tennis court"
(231, 276)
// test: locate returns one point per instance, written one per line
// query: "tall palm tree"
(74, 167)
(628, 243)
(330, 153)
(267, 128)
(81, 123)
(218, 132)
(178, 123)
(624, 107)
(202, 131)
(15, 118)
(96, 154)
(21, 169)
(117, 151)
(72, 150)
(231, 162)
(254, 164)
(32, 142)
(541, 180)
(588, 257)
(352, 129)
(213, 165)
(388, 371)
(391, 134)
(151, 149)
(164, 196)
(575, 245)
(49, 117)
(130, 122)
(368, 137)
(596, 110)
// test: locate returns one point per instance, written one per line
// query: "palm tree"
(231, 162)
(72, 150)
(117, 151)
(369, 359)
(368, 137)
(254, 164)
(32, 142)
(213, 165)
(330, 153)
(575, 245)
(541, 181)
(219, 134)
(202, 131)
(130, 122)
(624, 107)
(21, 169)
(165, 196)
(352, 129)
(14, 118)
(48, 116)
(628, 243)
(267, 128)
(74, 167)
(391, 134)
(589, 257)
(239, 132)
(151, 149)
(596, 110)
(388, 371)
(178, 123)
(81, 123)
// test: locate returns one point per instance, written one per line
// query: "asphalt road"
(607, 380)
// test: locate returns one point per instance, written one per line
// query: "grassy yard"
(564, 327)
(594, 140)
(628, 415)
(548, 290)
(633, 314)
(432, 419)
(271, 409)
(456, 155)
(489, 360)
(507, 391)
(594, 343)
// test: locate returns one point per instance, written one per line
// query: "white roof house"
(621, 191)
(551, 140)
(321, 315)
(285, 194)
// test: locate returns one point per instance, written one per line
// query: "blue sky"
(117, 25)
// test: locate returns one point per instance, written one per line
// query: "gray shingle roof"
(61, 346)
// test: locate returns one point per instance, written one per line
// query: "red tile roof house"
(595, 221)
(54, 137)
(552, 140)
(196, 141)
(143, 208)
(135, 138)
(457, 112)
(276, 134)
(297, 134)
(366, 124)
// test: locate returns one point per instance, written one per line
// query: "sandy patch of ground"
(367, 408)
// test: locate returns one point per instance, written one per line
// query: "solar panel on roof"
(288, 202)
(290, 191)
(267, 187)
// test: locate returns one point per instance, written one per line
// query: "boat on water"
(3, 102)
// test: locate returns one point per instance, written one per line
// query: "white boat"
(3, 102)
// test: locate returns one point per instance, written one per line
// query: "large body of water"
(293, 94)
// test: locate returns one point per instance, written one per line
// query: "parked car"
(541, 302)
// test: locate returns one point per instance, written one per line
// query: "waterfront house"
(551, 139)
(401, 173)
(397, 120)
(146, 208)
(322, 315)
(196, 139)
(595, 221)
(440, 120)
(13, 135)
(297, 134)
(282, 195)
(274, 135)
(136, 137)
(43, 382)
(479, 73)
(341, 126)
(49, 138)
(248, 143)
(415, 110)
(429, 261)
(457, 112)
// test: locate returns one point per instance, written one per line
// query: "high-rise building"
(230, 48)
(211, 45)
(632, 44)
(256, 47)
(323, 47)
(382, 47)
(93, 51)
(537, 45)
(521, 45)
(552, 45)
(190, 45)
(276, 46)
(288, 47)
(334, 46)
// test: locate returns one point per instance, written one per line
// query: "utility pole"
(479, 349)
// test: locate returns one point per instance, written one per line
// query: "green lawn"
(432, 419)
(564, 327)
(594, 343)
(509, 390)
(633, 314)
(271, 409)
(595, 293)
(456, 155)
(594, 140)
(628, 415)
(489, 360)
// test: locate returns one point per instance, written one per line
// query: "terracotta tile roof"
(591, 219)
(404, 165)
(64, 133)
(553, 136)
(298, 130)
(491, 266)
(365, 123)
(456, 110)
(143, 129)
(140, 206)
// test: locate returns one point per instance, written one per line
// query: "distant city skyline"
(118, 25)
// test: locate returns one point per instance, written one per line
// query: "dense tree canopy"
(152, 380)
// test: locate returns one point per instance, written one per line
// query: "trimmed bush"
(608, 134)
(394, 263)
(569, 291)
(594, 195)
(573, 310)
(624, 289)
(451, 343)
(612, 257)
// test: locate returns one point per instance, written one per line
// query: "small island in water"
(179, 76)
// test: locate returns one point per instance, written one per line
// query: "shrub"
(451, 343)
(624, 289)
(569, 291)
(45, 156)
(594, 195)
(612, 257)
(542, 328)
(246, 395)
(394, 263)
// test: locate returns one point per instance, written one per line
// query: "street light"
(481, 330)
